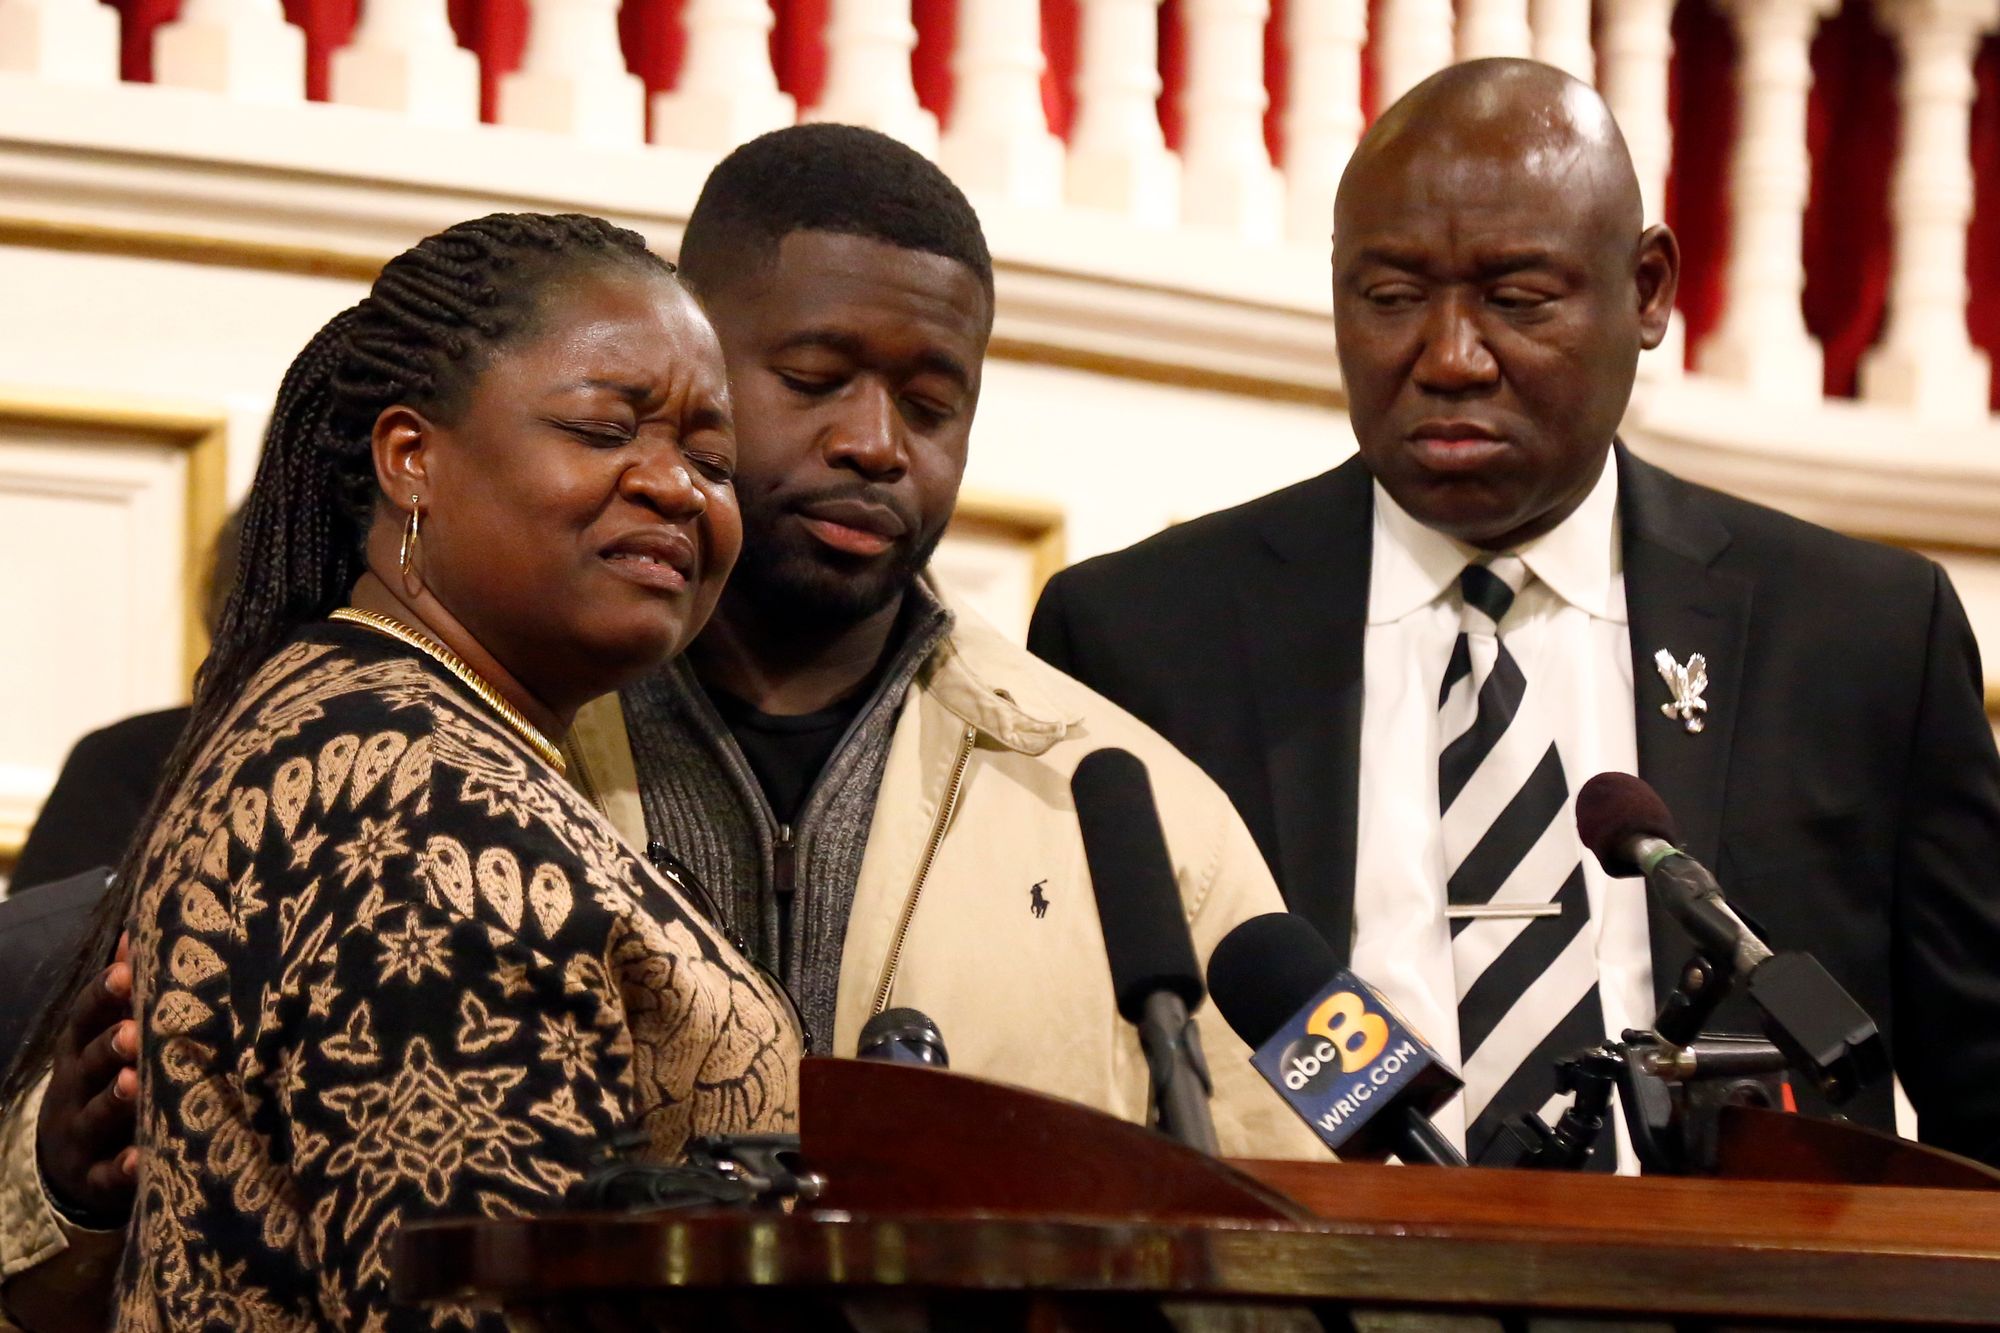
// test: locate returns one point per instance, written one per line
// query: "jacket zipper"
(945, 812)
(784, 879)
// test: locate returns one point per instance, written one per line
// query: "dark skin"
(579, 515)
(1492, 289)
(580, 518)
(84, 1132)
(855, 368)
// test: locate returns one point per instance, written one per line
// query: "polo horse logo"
(1037, 902)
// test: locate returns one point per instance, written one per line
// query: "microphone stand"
(1672, 1084)
(1180, 1082)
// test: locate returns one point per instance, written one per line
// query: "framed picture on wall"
(998, 553)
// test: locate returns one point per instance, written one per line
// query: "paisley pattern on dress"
(391, 966)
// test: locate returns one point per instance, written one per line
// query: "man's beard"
(784, 572)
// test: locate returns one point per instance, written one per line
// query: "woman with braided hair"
(389, 963)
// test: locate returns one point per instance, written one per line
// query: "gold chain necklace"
(453, 663)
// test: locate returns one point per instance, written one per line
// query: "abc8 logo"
(1340, 1031)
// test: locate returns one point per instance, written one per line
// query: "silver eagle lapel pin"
(1686, 684)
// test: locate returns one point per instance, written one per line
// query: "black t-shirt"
(787, 753)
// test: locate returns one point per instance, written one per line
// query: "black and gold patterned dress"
(391, 966)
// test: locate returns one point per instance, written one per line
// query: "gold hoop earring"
(411, 531)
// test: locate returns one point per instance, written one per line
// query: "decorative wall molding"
(203, 433)
(203, 436)
(108, 170)
(1035, 525)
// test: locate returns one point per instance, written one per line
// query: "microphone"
(1628, 829)
(1334, 1049)
(904, 1037)
(1153, 970)
(1807, 1013)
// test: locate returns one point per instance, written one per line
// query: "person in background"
(1402, 670)
(367, 897)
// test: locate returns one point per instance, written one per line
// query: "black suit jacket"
(1846, 789)
(101, 794)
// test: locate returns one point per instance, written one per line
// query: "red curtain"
(1983, 245)
(1852, 127)
(1701, 101)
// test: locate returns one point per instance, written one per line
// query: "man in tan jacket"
(869, 784)
(872, 784)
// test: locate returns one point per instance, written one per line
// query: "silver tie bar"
(1480, 911)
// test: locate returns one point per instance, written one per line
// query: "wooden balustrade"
(1217, 172)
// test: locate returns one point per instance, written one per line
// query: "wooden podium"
(953, 1203)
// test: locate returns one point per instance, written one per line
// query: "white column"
(868, 45)
(1562, 36)
(1118, 157)
(63, 41)
(1227, 176)
(1323, 40)
(240, 48)
(1493, 28)
(1926, 361)
(1413, 40)
(727, 93)
(573, 78)
(1637, 44)
(1762, 342)
(998, 143)
(404, 58)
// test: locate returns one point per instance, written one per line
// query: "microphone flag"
(1346, 1056)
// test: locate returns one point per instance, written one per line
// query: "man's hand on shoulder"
(84, 1136)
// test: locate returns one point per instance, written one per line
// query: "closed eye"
(716, 467)
(1393, 296)
(597, 434)
(812, 386)
(1518, 298)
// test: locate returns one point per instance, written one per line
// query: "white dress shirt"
(1568, 631)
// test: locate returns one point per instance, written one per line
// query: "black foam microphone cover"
(1613, 809)
(1266, 970)
(903, 1036)
(1138, 903)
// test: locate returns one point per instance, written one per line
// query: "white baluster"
(1926, 362)
(1762, 342)
(1227, 176)
(727, 93)
(1493, 28)
(63, 41)
(1562, 36)
(404, 58)
(573, 78)
(1118, 157)
(1637, 43)
(1323, 40)
(240, 48)
(1413, 40)
(998, 142)
(868, 45)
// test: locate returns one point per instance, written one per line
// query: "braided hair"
(422, 336)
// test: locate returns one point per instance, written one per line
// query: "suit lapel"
(1302, 624)
(1680, 601)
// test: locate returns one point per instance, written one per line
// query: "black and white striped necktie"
(1522, 948)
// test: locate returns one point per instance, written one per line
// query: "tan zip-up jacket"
(973, 829)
